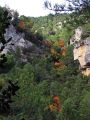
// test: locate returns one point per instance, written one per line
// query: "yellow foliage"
(56, 105)
(56, 43)
(52, 107)
(53, 51)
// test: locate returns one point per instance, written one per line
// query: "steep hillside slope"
(49, 86)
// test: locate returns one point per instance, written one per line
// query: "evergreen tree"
(5, 19)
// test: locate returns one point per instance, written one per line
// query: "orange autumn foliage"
(56, 105)
(56, 99)
(21, 24)
(61, 43)
(58, 49)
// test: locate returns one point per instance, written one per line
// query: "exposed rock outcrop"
(25, 47)
(81, 49)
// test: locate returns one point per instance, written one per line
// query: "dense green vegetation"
(39, 80)
(58, 26)
(52, 26)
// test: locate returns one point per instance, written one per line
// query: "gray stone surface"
(81, 50)
(18, 42)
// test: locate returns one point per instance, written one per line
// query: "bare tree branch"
(72, 5)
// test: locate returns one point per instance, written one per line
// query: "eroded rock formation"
(81, 42)
(19, 44)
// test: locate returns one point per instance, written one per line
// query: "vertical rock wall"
(81, 50)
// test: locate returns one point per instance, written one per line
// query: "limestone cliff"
(18, 42)
(81, 50)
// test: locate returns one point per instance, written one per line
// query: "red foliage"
(21, 24)
(56, 99)
(56, 102)
(59, 63)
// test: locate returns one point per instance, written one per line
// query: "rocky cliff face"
(81, 49)
(18, 43)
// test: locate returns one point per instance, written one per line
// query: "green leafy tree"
(80, 8)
